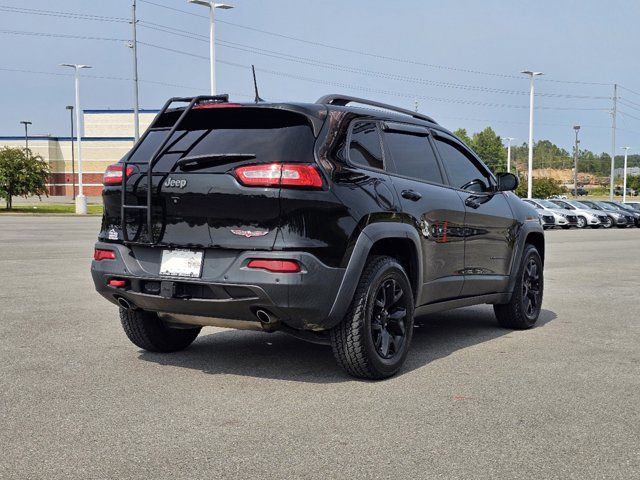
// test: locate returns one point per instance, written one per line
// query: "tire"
(582, 222)
(369, 328)
(147, 331)
(522, 311)
(609, 223)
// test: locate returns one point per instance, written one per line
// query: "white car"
(562, 218)
(586, 216)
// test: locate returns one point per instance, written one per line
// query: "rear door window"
(364, 146)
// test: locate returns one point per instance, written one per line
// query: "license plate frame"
(181, 263)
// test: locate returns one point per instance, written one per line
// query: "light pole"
(134, 49)
(532, 75)
(26, 136)
(624, 175)
(575, 162)
(81, 200)
(212, 35)
(509, 140)
(73, 161)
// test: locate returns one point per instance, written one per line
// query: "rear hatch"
(197, 199)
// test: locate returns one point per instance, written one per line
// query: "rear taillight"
(99, 255)
(117, 283)
(113, 174)
(276, 266)
(279, 174)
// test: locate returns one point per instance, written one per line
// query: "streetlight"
(624, 175)
(26, 136)
(509, 140)
(81, 200)
(532, 75)
(73, 162)
(575, 162)
(212, 35)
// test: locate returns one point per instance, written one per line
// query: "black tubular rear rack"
(192, 102)
(343, 100)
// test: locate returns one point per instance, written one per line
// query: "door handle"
(471, 202)
(411, 195)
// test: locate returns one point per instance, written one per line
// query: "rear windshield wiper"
(202, 161)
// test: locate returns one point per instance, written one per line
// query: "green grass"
(51, 208)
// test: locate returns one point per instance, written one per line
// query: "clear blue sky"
(588, 40)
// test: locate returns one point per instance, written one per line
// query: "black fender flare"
(521, 239)
(367, 238)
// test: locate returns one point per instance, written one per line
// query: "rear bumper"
(226, 289)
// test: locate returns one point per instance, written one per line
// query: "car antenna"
(255, 85)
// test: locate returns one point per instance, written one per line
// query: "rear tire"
(147, 331)
(373, 339)
(524, 308)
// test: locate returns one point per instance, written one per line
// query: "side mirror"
(507, 182)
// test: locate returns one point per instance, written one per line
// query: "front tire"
(582, 222)
(524, 308)
(373, 339)
(147, 331)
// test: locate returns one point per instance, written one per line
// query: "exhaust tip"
(124, 303)
(264, 317)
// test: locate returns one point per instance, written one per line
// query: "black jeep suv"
(334, 223)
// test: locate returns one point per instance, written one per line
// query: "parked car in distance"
(630, 191)
(627, 209)
(619, 218)
(582, 192)
(586, 216)
(328, 221)
(562, 218)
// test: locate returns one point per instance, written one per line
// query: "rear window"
(271, 135)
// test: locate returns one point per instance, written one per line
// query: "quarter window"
(365, 148)
(413, 156)
(464, 171)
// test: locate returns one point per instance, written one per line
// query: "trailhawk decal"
(249, 233)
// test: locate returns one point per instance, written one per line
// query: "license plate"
(181, 263)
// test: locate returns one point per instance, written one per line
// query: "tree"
(541, 188)
(21, 174)
(488, 145)
(462, 134)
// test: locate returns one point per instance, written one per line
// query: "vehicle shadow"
(282, 357)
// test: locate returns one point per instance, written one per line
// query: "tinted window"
(365, 148)
(413, 156)
(463, 170)
(271, 135)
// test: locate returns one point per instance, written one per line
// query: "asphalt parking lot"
(474, 401)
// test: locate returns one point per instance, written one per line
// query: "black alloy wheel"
(531, 288)
(388, 322)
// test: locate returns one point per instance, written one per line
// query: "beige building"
(107, 137)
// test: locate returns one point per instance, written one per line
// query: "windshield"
(608, 207)
(578, 204)
(547, 204)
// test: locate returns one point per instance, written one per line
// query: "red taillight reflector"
(113, 174)
(276, 266)
(117, 283)
(99, 254)
(279, 174)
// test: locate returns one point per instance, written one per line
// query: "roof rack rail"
(343, 100)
